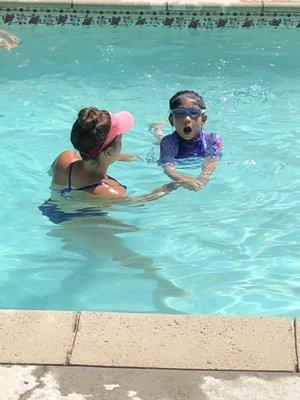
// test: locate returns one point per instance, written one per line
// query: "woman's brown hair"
(90, 129)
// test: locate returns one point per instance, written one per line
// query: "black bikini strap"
(70, 172)
(110, 177)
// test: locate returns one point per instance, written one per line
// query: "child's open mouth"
(187, 130)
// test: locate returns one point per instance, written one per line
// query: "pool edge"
(187, 14)
(183, 342)
(166, 5)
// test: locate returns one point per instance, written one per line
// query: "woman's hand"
(165, 189)
(127, 157)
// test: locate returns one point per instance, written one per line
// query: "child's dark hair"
(90, 128)
(176, 100)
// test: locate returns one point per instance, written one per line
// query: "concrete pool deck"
(73, 356)
(96, 383)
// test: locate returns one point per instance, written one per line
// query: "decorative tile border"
(187, 17)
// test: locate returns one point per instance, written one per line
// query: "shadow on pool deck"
(95, 383)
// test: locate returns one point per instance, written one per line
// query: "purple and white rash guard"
(174, 148)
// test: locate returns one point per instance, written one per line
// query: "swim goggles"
(181, 112)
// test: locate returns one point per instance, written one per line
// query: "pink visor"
(120, 123)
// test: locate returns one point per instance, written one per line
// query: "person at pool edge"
(7, 40)
(97, 135)
(188, 116)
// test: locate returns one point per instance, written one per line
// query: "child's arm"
(213, 154)
(188, 182)
(168, 150)
(209, 165)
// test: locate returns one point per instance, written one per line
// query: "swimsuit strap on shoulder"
(93, 185)
(66, 191)
(110, 177)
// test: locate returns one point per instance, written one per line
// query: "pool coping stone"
(183, 342)
(187, 5)
(36, 337)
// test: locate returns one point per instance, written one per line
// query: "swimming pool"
(230, 248)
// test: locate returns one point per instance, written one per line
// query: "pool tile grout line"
(296, 345)
(75, 330)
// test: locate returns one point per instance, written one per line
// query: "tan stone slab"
(181, 4)
(65, 4)
(185, 342)
(28, 2)
(36, 4)
(122, 5)
(219, 4)
(171, 4)
(69, 3)
(280, 5)
(37, 337)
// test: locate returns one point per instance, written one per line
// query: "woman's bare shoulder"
(65, 159)
(109, 189)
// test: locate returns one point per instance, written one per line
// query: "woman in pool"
(97, 135)
(7, 40)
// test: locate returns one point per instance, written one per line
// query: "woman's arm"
(116, 195)
(156, 194)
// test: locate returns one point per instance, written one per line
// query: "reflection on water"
(92, 237)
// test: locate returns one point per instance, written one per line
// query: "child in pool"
(188, 116)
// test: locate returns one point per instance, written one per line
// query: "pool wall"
(190, 14)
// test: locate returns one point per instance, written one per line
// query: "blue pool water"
(230, 248)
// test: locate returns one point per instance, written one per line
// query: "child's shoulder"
(211, 136)
(171, 138)
(212, 140)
